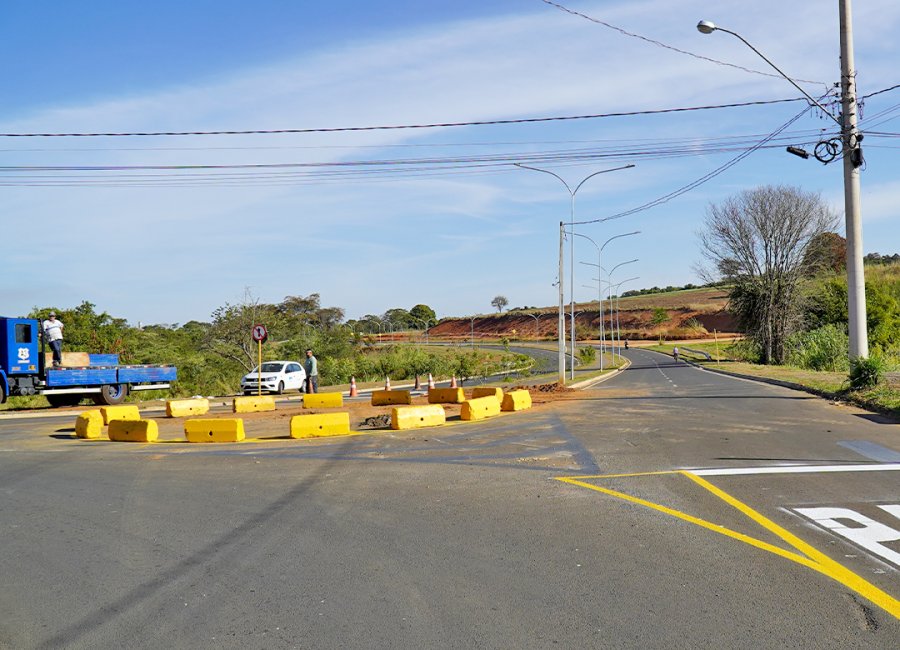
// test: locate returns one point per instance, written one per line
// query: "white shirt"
(53, 330)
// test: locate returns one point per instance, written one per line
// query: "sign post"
(259, 335)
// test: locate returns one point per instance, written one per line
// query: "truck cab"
(20, 362)
(23, 370)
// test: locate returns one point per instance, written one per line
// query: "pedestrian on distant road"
(312, 373)
(53, 334)
(675, 353)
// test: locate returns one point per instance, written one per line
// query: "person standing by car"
(312, 373)
(53, 334)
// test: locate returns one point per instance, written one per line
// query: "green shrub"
(587, 354)
(824, 348)
(745, 350)
(866, 372)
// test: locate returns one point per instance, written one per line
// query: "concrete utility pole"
(856, 280)
(850, 138)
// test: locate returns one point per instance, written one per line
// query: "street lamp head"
(706, 27)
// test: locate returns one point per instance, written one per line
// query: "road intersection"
(668, 506)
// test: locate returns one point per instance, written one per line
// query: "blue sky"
(164, 246)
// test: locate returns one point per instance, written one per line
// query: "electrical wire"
(703, 179)
(670, 47)
(396, 127)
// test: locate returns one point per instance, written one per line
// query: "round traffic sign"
(260, 333)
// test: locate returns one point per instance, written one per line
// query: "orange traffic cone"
(430, 381)
(453, 382)
(353, 392)
(387, 383)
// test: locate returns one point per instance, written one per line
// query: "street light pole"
(850, 137)
(562, 339)
(612, 328)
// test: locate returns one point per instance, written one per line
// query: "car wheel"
(280, 389)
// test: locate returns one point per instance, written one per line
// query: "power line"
(396, 127)
(703, 179)
(668, 47)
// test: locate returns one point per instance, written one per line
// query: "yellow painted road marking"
(809, 556)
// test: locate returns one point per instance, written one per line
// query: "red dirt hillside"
(693, 313)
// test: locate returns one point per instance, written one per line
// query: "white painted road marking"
(796, 469)
(868, 533)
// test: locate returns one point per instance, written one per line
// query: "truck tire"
(57, 401)
(111, 394)
(2, 392)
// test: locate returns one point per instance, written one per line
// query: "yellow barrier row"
(125, 423)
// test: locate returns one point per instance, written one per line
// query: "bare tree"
(500, 302)
(760, 241)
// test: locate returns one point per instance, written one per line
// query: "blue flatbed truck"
(23, 371)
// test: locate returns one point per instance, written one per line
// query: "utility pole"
(853, 159)
(561, 324)
(856, 281)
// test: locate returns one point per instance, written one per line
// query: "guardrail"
(702, 353)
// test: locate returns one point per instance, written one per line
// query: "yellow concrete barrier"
(385, 397)
(446, 395)
(516, 400)
(480, 408)
(412, 417)
(323, 400)
(320, 424)
(253, 404)
(181, 408)
(487, 391)
(123, 412)
(133, 430)
(89, 424)
(219, 430)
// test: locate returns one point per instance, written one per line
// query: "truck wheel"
(57, 401)
(111, 394)
(2, 393)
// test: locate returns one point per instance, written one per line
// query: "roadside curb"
(588, 383)
(824, 394)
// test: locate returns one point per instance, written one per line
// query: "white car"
(274, 377)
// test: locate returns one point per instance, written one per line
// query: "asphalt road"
(464, 536)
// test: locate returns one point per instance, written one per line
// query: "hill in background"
(692, 313)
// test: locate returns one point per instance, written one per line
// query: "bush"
(745, 350)
(866, 373)
(824, 348)
(587, 354)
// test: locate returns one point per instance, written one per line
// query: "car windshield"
(271, 367)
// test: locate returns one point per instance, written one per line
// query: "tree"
(423, 314)
(760, 241)
(500, 302)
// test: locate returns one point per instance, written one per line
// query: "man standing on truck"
(53, 334)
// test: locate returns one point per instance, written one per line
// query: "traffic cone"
(353, 392)
(387, 383)
(430, 381)
(453, 382)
